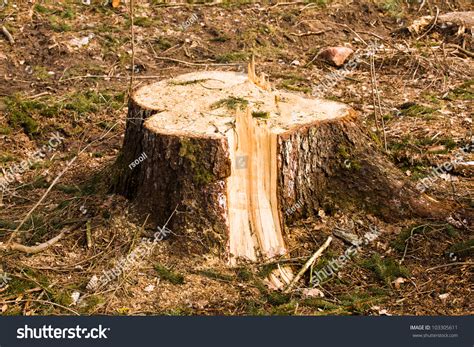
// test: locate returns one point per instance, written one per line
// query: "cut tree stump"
(235, 157)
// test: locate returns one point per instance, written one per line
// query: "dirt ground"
(68, 71)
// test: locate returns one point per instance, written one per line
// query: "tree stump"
(238, 160)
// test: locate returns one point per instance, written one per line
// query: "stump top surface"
(204, 103)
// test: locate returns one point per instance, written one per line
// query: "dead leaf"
(115, 3)
(398, 281)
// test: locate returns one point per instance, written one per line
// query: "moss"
(179, 311)
(464, 92)
(286, 309)
(58, 25)
(416, 110)
(144, 22)
(295, 83)
(162, 43)
(244, 274)
(63, 298)
(215, 275)
(266, 270)
(18, 113)
(463, 249)
(6, 224)
(261, 114)
(68, 189)
(185, 83)
(220, 38)
(385, 269)
(7, 157)
(319, 303)
(168, 275)
(392, 7)
(231, 103)
(232, 57)
(41, 73)
(91, 102)
(400, 242)
(360, 302)
(191, 151)
(19, 286)
(90, 303)
(5, 130)
(343, 152)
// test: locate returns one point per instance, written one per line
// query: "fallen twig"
(432, 25)
(450, 264)
(196, 64)
(13, 246)
(8, 35)
(310, 33)
(308, 264)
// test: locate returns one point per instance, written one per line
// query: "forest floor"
(68, 71)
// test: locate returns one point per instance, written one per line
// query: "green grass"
(169, 275)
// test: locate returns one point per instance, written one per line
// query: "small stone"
(336, 56)
(312, 293)
(75, 297)
(443, 296)
(149, 288)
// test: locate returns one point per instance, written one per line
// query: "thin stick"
(432, 25)
(41, 302)
(450, 264)
(42, 246)
(8, 35)
(308, 264)
(196, 64)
